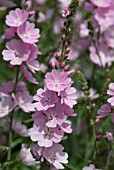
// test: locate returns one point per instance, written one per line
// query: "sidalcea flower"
(111, 93)
(26, 156)
(6, 106)
(17, 52)
(19, 128)
(69, 96)
(10, 32)
(47, 135)
(27, 74)
(90, 167)
(55, 156)
(28, 33)
(102, 3)
(57, 80)
(24, 101)
(16, 17)
(55, 116)
(45, 98)
(32, 63)
(66, 12)
(109, 136)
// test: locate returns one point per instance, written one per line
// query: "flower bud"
(66, 67)
(31, 13)
(63, 64)
(70, 72)
(99, 137)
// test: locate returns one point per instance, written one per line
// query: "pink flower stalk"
(17, 52)
(16, 17)
(45, 98)
(57, 80)
(28, 33)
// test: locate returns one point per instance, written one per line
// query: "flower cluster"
(23, 51)
(54, 104)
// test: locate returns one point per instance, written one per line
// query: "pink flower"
(27, 74)
(7, 104)
(109, 36)
(24, 101)
(10, 33)
(55, 156)
(66, 12)
(105, 57)
(69, 96)
(32, 63)
(109, 136)
(26, 156)
(90, 167)
(110, 92)
(55, 116)
(57, 80)
(47, 135)
(28, 33)
(19, 128)
(102, 3)
(16, 17)
(17, 52)
(104, 111)
(45, 98)
(7, 3)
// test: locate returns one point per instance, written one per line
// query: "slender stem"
(11, 121)
(108, 157)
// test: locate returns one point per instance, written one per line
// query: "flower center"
(57, 82)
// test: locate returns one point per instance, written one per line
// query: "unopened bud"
(66, 67)
(99, 137)
(34, 153)
(63, 36)
(57, 54)
(26, 4)
(31, 13)
(70, 72)
(63, 64)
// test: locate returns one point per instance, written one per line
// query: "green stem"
(11, 121)
(108, 157)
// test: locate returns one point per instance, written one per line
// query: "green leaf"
(3, 149)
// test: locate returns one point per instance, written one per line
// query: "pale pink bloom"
(55, 156)
(105, 57)
(68, 111)
(17, 52)
(24, 101)
(10, 33)
(66, 126)
(66, 12)
(43, 17)
(110, 92)
(7, 88)
(104, 111)
(26, 156)
(90, 167)
(7, 3)
(109, 36)
(32, 63)
(7, 104)
(49, 136)
(104, 17)
(69, 96)
(45, 98)
(55, 116)
(84, 31)
(57, 80)
(19, 128)
(102, 3)
(109, 136)
(42, 68)
(28, 33)
(16, 17)
(27, 74)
